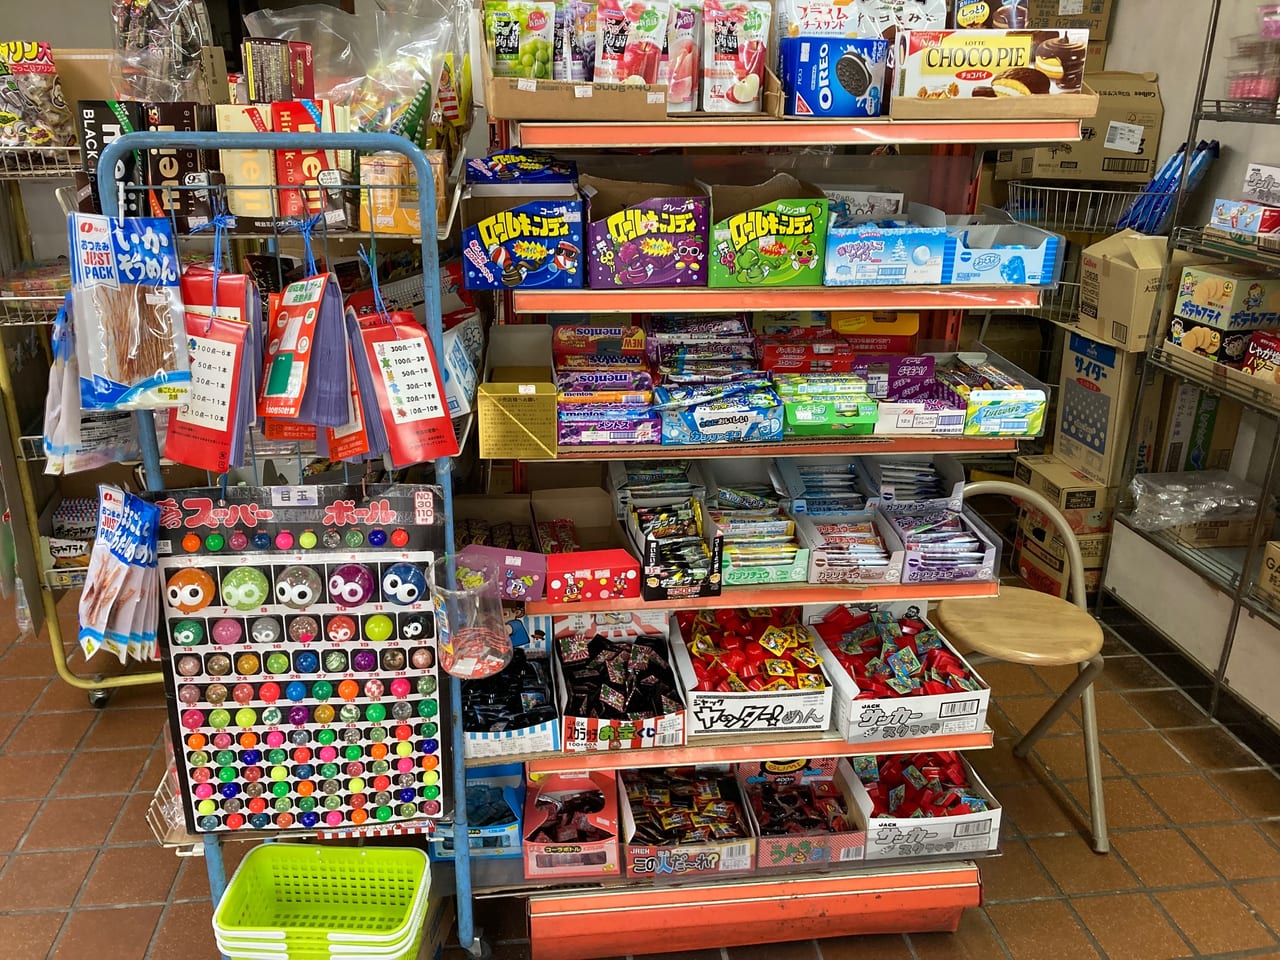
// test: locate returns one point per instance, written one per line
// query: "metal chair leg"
(1088, 673)
(1093, 762)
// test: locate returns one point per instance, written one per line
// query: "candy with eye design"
(351, 585)
(190, 590)
(403, 583)
(187, 633)
(298, 587)
(265, 630)
(340, 629)
(245, 588)
(415, 626)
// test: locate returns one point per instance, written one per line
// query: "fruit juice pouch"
(681, 67)
(629, 40)
(736, 42)
(571, 59)
(582, 21)
(521, 37)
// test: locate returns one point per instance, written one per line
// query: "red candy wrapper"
(741, 650)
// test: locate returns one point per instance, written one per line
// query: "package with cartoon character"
(1228, 298)
(772, 234)
(518, 168)
(514, 244)
(901, 250)
(645, 234)
(1228, 348)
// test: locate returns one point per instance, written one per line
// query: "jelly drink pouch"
(521, 37)
(681, 67)
(571, 60)
(736, 41)
(629, 40)
(582, 21)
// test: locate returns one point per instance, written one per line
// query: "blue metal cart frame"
(363, 143)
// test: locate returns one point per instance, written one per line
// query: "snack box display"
(1227, 348)
(751, 417)
(758, 527)
(659, 835)
(772, 234)
(907, 251)
(945, 547)
(851, 548)
(584, 728)
(833, 76)
(534, 244)
(1245, 216)
(499, 530)
(993, 248)
(875, 714)
(1000, 399)
(1002, 72)
(495, 807)
(518, 705)
(749, 674)
(516, 167)
(645, 234)
(878, 331)
(823, 416)
(645, 478)
(820, 485)
(911, 835)
(934, 482)
(1228, 297)
(601, 567)
(803, 811)
(571, 825)
(666, 572)
(1262, 356)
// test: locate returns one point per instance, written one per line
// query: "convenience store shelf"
(707, 300)
(28, 311)
(739, 748)
(1218, 378)
(1221, 566)
(794, 447)
(776, 595)
(796, 133)
(44, 163)
(1240, 111)
(1215, 243)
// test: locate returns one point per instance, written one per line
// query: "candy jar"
(473, 639)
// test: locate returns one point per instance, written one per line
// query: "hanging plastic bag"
(157, 50)
(118, 609)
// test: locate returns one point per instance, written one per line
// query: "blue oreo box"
(833, 76)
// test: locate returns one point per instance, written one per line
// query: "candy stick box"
(512, 244)
(646, 234)
(772, 234)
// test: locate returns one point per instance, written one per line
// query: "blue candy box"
(534, 244)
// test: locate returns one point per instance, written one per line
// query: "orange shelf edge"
(785, 594)
(707, 300)
(581, 926)
(796, 447)
(728, 133)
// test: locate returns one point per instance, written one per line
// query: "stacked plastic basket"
(297, 902)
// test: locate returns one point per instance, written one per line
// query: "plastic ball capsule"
(298, 587)
(403, 583)
(190, 590)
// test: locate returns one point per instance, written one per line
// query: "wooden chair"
(1025, 626)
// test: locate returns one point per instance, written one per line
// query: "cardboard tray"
(1052, 106)
(778, 851)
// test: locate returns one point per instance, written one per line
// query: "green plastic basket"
(310, 897)
(410, 953)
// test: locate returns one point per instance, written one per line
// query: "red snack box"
(302, 77)
(570, 857)
(816, 356)
(593, 341)
(778, 850)
(302, 167)
(1262, 356)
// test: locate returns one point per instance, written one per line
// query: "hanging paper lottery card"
(305, 369)
(350, 441)
(117, 608)
(126, 298)
(401, 362)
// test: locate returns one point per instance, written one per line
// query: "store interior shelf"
(794, 447)
(46, 163)
(1262, 608)
(1221, 566)
(1211, 243)
(783, 594)
(1240, 111)
(739, 748)
(28, 311)
(707, 300)
(796, 132)
(1217, 378)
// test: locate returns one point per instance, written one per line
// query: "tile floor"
(1195, 817)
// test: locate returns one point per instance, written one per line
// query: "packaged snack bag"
(521, 37)
(629, 40)
(681, 67)
(736, 43)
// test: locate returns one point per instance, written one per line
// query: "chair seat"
(1021, 626)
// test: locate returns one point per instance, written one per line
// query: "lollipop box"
(774, 851)
(715, 713)
(890, 719)
(522, 240)
(572, 858)
(645, 234)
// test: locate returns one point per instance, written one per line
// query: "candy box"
(994, 249)
(749, 417)
(516, 398)
(652, 566)
(877, 332)
(771, 234)
(523, 573)
(711, 857)
(533, 244)
(823, 567)
(603, 569)
(645, 234)
(879, 719)
(888, 253)
(921, 566)
(831, 776)
(510, 171)
(491, 791)
(943, 838)
(822, 415)
(748, 711)
(833, 76)
(1245, 216)
(571, 805)
(891, 499)
(533, 635)
(591, 733)
(1228, 297)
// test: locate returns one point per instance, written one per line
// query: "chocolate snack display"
(299, 656)
(963, 64)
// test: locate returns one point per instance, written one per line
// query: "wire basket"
(1077, 210)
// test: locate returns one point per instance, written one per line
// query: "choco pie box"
(772, 234)
(645, 234)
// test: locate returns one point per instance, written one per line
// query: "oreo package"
(833, 76)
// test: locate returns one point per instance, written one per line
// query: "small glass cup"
(473, 638)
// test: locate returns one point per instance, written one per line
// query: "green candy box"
(773, 234)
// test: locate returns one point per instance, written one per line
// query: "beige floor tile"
(1025, 712)
(1131, 927)
(1163, 858)
(1144, 753)
(1214, 920)
(1238, 850)
(1074, 866)
(1014, 875)
(1036, 809)
(1126, 805)
(1041, 931)
(1189, 799)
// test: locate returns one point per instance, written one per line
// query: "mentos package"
(646, 234)
(534, 244)
(833, 76)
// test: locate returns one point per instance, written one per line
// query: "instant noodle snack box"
(773, 234)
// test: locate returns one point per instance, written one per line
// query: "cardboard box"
(943, 838)
(502, 232)
(1261, 180)
(1268, 584)
(493, 842)
(1099, 385)
(524, 572)
(1228, 297)
(1120, 143)
(584, 734)
(604, 569)
(822, 570)
(1036, 528)
(771, 234)
(1042, 571)
(1120, 285)
(516, 402)
(1087, 505)
(463, 343)
(645, 234)
(877, 332)
(914, 569)
(787, 850)
(1091, 15)
(712, 858)
(887, 719)
(395, 208)
(869, 254)
(597, 859)
(1234, 531)
(767, 711)
(1248, 217)
(648, 548)
(1199, 432)
(1096, 58)
(439, 927)
(887, 496)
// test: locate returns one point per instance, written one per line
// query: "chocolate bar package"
(168, 170)
(98, 123)
(267, 70)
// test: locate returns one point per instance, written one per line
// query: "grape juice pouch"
(735, 47)
(629, 40)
